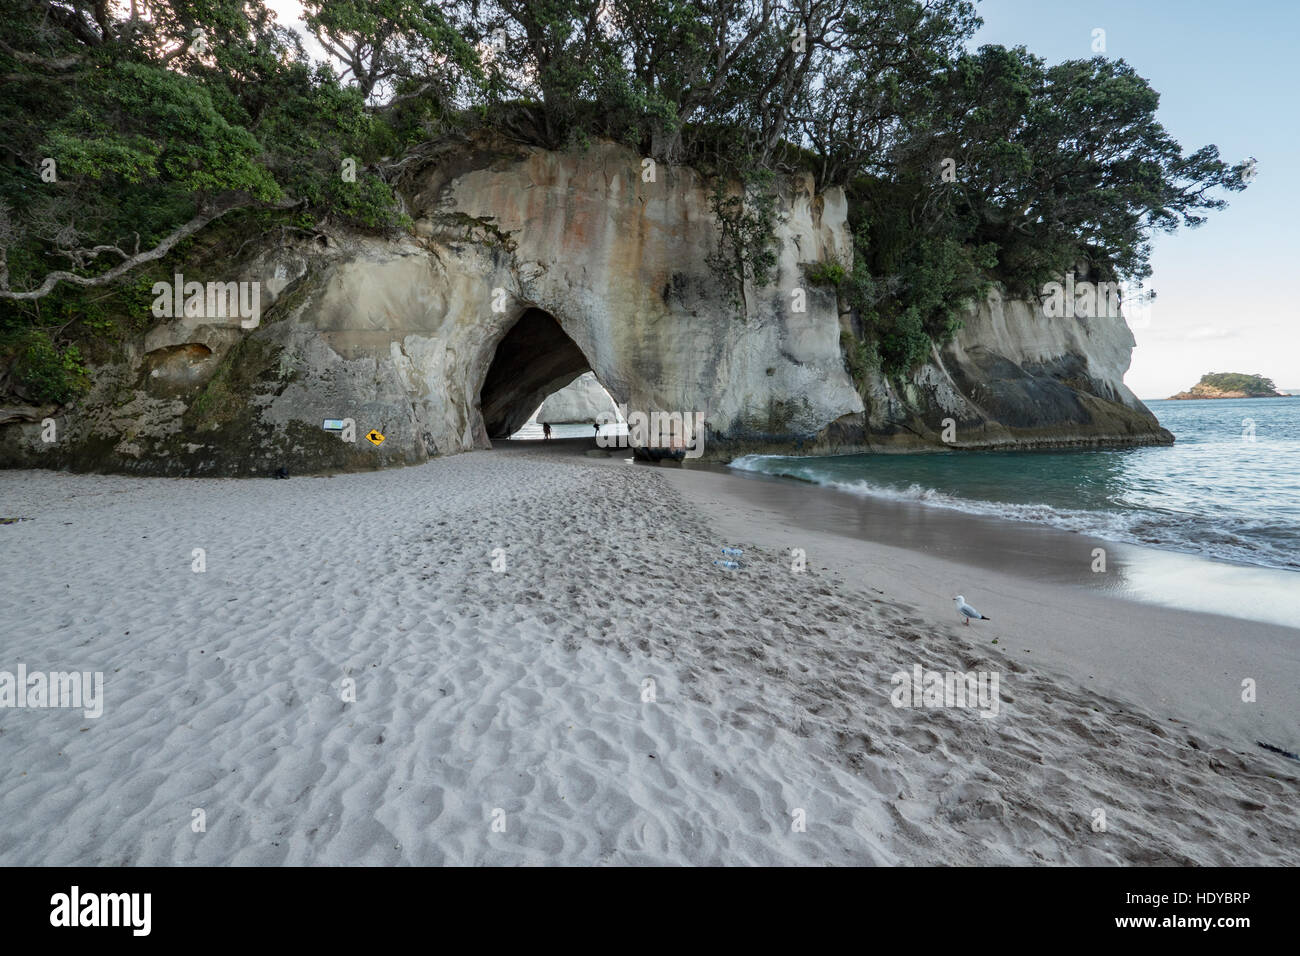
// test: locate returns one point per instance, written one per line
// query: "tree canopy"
(1239, 382)
(132, 127)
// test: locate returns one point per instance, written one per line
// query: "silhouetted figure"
(546, 430)
(596, 427)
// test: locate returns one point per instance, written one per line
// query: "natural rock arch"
(400, 335)
(532, 360)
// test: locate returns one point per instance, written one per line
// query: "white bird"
(967, 612)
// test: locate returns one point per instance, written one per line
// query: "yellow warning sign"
(374, 437)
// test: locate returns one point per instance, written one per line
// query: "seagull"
(967, 612)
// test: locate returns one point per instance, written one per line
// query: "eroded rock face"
(180, 368)
(1011, 377)
(526, 268)
(534, 360)
(582, 401)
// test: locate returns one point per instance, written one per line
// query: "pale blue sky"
(1228, 74)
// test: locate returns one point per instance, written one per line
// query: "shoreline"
(1055, 608)
(1187, 608)
(1165, 576)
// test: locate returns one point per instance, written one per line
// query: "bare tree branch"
(157, 252)
(57, 64)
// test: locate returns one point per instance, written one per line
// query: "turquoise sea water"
(1229, 488)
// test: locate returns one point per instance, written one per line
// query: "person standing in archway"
(546, 430)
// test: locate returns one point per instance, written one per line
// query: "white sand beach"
(500, 716)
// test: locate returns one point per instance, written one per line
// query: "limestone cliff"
(1012, 377)
(526, 268)
(582, 401)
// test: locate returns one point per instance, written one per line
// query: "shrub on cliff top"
(961, 166)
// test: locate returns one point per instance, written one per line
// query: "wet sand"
(1041, 553)
(1117, 630)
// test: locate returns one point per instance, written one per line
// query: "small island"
(1231, 385)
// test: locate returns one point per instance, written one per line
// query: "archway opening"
(533, 360)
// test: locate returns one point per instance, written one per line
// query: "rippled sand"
(500, 716)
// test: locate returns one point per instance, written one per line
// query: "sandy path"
(522, 691)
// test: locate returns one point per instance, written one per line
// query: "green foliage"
(903, 342)
(1239, 382)
(1056, 165)
(909, 286)
(747, 226)
(962, 167)
(147, 132)
(176, 135)
(42, 372)
(830, 274)
(392, 43)
(860, 357)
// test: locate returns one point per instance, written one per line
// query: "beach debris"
(733, 552)
(1277, 750)
(732, 565)
(967, 612)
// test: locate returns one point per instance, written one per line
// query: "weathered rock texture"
(1012, 377)
(526, 268)
(582, 401)
(533, 360)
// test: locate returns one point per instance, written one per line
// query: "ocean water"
(1229, 488)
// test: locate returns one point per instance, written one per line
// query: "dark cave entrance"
(533, 360)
